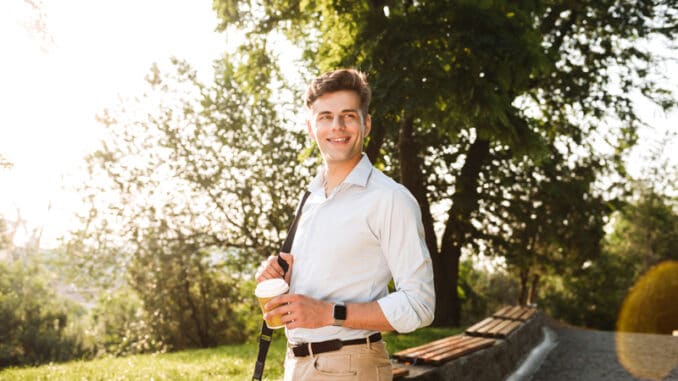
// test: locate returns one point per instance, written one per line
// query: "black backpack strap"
(264, 342)
(266, 333)
(287, 245)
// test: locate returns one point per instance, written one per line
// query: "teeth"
(337, 140)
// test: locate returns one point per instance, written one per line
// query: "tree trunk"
(412, 177)
(534, 287)
(458, 232)
(446, 273)
(377, 136)
(202, 335)
(524, 277)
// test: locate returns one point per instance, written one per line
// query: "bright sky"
(52, 85)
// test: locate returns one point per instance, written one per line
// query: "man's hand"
(299, 311)
(270, 269)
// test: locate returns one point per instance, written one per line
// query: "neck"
(337, 172)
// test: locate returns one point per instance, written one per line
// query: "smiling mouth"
(338, 140)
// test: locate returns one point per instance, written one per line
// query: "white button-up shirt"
(350, 244)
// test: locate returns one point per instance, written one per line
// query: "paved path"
(588, 355)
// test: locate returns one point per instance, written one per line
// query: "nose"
(338, 122)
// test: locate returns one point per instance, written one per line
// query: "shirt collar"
(359, 175)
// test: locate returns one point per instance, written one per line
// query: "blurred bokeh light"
(651, 307)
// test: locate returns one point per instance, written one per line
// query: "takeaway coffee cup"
(266, 291)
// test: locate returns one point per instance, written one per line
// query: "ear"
(309, 130)
(368, 124)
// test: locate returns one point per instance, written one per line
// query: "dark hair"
(341, 79)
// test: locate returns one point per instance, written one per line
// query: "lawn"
(230, 362)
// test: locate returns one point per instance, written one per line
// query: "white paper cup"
(266, 291)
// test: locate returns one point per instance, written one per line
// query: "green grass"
(231, 362)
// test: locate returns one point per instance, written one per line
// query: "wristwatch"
(339, 314)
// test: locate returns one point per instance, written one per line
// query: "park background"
(153, 152)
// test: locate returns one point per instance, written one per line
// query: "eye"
(324, 117)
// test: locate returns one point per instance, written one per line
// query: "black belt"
(302, 350)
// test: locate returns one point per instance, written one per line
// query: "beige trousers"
(362, 362)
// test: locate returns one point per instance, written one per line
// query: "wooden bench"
(493, 327)
(443, 350)
(516, 313)
(400, 372)
(479, 336)
(502, 322)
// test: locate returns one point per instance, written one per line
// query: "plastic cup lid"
(271, 287)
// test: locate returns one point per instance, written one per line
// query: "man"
(358, 229)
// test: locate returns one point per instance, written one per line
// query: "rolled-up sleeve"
(412, 304)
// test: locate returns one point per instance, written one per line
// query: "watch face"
(339, 312)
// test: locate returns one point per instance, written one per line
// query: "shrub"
(36, 326)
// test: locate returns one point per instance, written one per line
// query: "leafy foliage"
(120, 325)
(4, 234)
(458, 83)
(643, 235)
(36, 326)
(484, 291)
(194, 186)
(645, 232)
(231, 362)
(550, 221)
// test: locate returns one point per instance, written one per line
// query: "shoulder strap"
(287, 245)
(267, 333)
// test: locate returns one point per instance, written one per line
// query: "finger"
(269, 270)
(290, 320)
(260, 272)
(265, 274)
(287, 318)
(279, 301)
(272, 273)
(263, 267)
(287, 257)
(283, 311)
(291, 324)
(273, 266)
(262, 277)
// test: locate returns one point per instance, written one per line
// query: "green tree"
(187, 196)
(34, 321)
(590, 296)
(455, 81)
(644, 234)
(4, 235)
(484, 291)
(120, 325)
(550, 221)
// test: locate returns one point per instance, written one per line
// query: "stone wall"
(495, 363)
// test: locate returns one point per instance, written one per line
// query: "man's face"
(335, 123)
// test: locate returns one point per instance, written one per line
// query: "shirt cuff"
(402, 314)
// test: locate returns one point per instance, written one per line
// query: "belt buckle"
(310, 349)
(334, 345)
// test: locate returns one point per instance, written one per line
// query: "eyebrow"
(342, 111)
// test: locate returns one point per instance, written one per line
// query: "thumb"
(289, 259)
